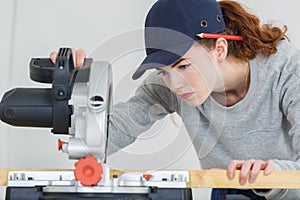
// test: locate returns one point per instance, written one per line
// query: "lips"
(186, 95)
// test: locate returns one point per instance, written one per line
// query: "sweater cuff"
(270, 193)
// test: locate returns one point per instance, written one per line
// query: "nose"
(176, 80)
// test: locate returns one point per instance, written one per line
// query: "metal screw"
(60, 93)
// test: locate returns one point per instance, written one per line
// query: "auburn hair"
(257, 39)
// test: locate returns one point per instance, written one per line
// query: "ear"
(221, 49)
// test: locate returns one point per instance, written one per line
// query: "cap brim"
(163, 57)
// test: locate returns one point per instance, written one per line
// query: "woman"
(234, 83)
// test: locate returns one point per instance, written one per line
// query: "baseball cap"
(171, 29)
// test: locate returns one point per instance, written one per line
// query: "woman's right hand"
(78, 57)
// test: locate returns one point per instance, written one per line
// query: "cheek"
(208, 70)
(201, 88)
(204, 80)
(197, 81)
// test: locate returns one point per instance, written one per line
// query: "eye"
(162, 72)
(184, 66)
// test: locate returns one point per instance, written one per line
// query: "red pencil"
(216, 36)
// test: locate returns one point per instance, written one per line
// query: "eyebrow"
(177, 62)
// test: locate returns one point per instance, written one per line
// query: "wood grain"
(218, 179)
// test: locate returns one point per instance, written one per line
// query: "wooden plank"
(3, 177)
(218, 179)
(210, 179)
(117, 172)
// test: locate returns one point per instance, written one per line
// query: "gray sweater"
(264, 125)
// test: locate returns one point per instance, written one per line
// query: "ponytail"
(258, 40)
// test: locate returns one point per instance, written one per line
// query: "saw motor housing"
(77, 104)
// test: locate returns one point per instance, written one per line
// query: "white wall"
(104, 28)
(278, 12)
(6, 22)
(38, 27)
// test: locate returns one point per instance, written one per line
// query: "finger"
(245, 170)
(74, 56)
(53, 56)
(269, 168)
(80, 56)
(233, 165)
(257, 166)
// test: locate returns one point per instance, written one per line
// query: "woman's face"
(193, 77)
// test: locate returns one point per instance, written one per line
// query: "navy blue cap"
(171, 29)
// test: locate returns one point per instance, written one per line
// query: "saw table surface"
(208, 178)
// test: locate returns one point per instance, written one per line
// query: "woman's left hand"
(249, 168)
